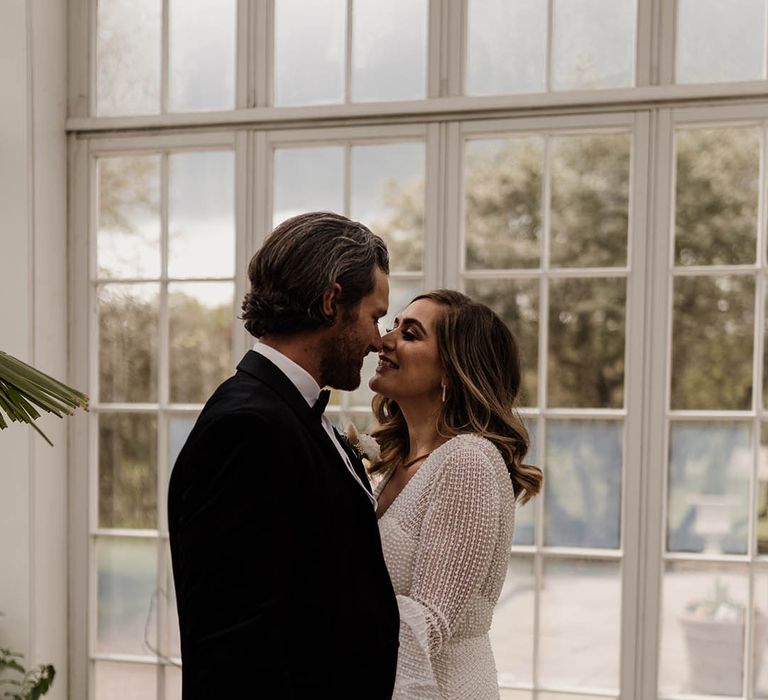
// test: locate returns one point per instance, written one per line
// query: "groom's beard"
(342, 359)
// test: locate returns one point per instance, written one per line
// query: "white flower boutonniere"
(362, 444)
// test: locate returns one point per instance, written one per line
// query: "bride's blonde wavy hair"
(480, 358)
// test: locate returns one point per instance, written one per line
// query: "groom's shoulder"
(244, 395)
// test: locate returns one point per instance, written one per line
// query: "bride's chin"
(375, 384)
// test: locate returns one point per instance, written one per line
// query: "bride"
(450, 473)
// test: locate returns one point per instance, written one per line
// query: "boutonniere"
(363, 445)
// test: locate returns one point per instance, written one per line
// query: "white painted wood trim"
(438, 108)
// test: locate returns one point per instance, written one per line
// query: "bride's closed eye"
(405, 335)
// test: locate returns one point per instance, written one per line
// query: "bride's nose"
(388, 340)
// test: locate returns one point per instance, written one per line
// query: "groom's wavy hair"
(299, 261)
(480, 358)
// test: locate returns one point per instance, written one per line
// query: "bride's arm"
(456, 544)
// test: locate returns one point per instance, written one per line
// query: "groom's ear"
(330, 300)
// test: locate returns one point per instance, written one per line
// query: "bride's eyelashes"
(405, 335)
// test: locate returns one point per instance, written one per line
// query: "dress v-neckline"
(382, 485)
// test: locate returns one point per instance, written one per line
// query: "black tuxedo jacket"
(281, 585)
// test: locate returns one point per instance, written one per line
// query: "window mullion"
(658, 325)
(165, 59)
(453, 52)
(348, 53)
(765, 45)
(636, 398)
(247, 67)
(665, 31)
(757, 401)
(245, 194)
(645, 64)
(550, 44)
(262, 53)
(452, 206)
(434, 214)
(437, 19)
(164, 331)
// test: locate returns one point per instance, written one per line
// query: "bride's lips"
(385, 364)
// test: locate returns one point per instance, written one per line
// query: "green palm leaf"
(24, 390)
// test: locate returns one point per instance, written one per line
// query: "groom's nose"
(376, 342)
(388, 341)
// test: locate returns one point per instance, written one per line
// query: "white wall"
(33, 326)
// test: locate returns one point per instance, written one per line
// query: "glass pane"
(506, 46)
(172, 683)
(510, 694)
(525, 515)
(570, 696)
(760, 635)
(387, 195)
(179, 428)
(400, 294)
(579, 641)
(202, 43)
(718, 172)
(702, 649)
(582, 499)
(761, 530)
(719, 40)
(172, 615)
(127, 681)
(128, 470)
(128, 242)
(517, 303)
(389, 50)
(503, 190)
(128, 57)
(128, 342)
(512, 629)
(308, 179)
(709, 472)
(201, 317)
(593, 44)
(765, 358)
(310, 41)
(590, 200)
(713, 324)
(127, 579)
(201, 214)
(586, 343)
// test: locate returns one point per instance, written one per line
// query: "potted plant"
(24, 390)
(713, 628)
(17, 683)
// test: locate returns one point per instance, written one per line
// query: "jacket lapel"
(266, 371)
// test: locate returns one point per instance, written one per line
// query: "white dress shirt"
(310, 390)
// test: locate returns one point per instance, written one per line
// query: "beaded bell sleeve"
(454, 565)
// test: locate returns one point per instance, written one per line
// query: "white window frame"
(651, 110)
(636, 124)
(84, 445)
(663, 273)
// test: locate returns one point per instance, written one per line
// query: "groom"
(281, 585)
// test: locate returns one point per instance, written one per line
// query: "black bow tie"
(322, 401)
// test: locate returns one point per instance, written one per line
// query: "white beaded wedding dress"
(446, 540)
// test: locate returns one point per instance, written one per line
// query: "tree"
(716, 223)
